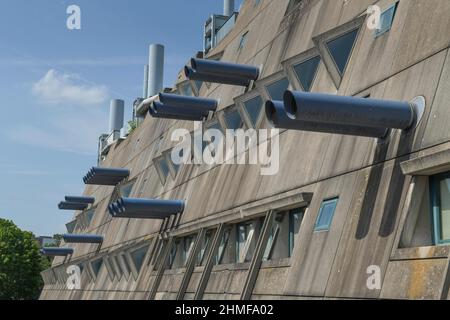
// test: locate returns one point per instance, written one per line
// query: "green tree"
(20, 263)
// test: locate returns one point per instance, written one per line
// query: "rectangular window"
(276, 89)
(222, 247)
(201, 259)
(386, 20)
(295, 221)
(188, 244)
(244, 239)
(253, 107)
(268, 253)
(325, 216)
(440, 203)
(243, 40)
(173, 254)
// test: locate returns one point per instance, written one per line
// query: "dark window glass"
(295, 220)
(96, 265)
(306, 72)
(341, 49)
(276, 90)
(253, 108)
(233, 119)
(440, 200)
(138, 257)
(386, 20)
(326, 214)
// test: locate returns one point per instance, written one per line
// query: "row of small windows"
(249, 113)
(237, 245)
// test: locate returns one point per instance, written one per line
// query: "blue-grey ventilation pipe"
(145, 208)
(157, 115)
(105, 176)
(82, 238)
(76, 199)
(276, 115)
(194, 103)
(228, 7)
(163, 108)
(145, 86)
(156, 69)
(72, 206)
(343, 110)
(193, 75)
(116, 115)
(225, 69)
(56, 252)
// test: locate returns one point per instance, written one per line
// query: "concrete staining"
(382, 215)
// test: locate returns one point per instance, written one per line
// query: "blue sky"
(55, 87)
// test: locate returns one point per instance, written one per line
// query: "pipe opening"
(270, 111)
(290, 105)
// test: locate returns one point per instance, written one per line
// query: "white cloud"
(68, 89)
(74, 133)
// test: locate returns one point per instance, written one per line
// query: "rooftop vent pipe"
(145, 86)
(87, 200)
(221, 72)
(56, 252)
(277, 116)
(105, 176)
(64, 205)
(228, 7)
(193, 103)
(116, 116)
(158, 110)
(145, 208)
(342, 110)
(82, 238)
(156, 69)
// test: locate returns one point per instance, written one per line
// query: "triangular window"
(341, 49)
(306, 72)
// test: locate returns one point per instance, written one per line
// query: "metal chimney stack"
(228, 7)
(116, 118)
(156, 69)
(145, 86)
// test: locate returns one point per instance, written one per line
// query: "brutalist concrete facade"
(382, 185)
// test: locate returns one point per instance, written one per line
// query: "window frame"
(222, 119)
(248, 241)
(243, 39)
(128, 255)
(291, 236)
(382, 31)
(435, 203)
(109, 268)
(290, 64)
(262, 84)
(323, 39)
(326, 228)
(241, 108)
(159, 170)
(91, 269)
(183, 83)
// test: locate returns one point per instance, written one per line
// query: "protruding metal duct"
(105, 176)
(145, 208)
(116, 116)
(193, 103)
(343, 110)
(158, 110)
(56, 252)
(82, 238)
(277, 116)
(221, 72)
(64, 205)
(145, 86)
(156, 69)
(228, 7)
(193, 75)
(76, 199)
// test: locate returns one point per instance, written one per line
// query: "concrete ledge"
(427, 165)
(421, 253)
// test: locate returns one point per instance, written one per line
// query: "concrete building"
(346, 216)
